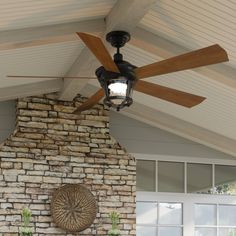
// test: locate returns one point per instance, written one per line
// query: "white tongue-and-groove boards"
(15, 14)
(52, 59)
(195, 24)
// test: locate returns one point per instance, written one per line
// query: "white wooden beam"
(31, 89)
(27, 37)
(125, 15)
(164, 48)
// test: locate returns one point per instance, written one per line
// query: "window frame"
(185, 160)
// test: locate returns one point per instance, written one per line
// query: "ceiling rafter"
(125, 15)
(41, 35)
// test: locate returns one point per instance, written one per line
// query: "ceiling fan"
(118, 77)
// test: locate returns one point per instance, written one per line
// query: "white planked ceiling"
(53, 59)
(17, 14)
(195, 24)
(188, 23)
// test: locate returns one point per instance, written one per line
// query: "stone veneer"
(51, 147)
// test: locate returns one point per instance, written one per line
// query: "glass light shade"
(117, 92)
(117, 89)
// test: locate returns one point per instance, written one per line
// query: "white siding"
(138, 137)
(7, 119)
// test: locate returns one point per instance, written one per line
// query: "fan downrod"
(118, 38)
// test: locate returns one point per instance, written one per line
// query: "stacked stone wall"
(51, 147)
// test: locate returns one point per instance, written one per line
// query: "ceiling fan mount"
(117, 38)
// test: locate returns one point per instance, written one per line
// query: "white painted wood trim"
(181, 197)
(126, 15)
(183, 159)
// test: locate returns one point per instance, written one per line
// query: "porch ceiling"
(37, 38)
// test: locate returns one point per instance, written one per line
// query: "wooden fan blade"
(48, 77)
(97, 47)
(168, 94)
(202, 57)
(94, 99)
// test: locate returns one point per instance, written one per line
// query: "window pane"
(199, 178)
(205, 232)
(170, 231)
(170, 177)
(227, 215)
(205, 214)
(225, 179)
(146, 175)
(227, 232)
(146, 231)
(170, 213)
(146, 212)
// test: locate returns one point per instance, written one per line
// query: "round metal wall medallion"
(73, 207)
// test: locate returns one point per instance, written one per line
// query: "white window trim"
(169, 158)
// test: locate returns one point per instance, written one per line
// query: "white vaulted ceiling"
(38, 38)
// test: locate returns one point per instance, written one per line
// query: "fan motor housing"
(126, 69)
(126, 76)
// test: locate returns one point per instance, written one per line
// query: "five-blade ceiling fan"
(118, 77)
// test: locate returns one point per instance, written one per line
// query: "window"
(159, 218)
(185, 177)
(199, 178)
(215, 220)
(225, 179)
(205, 219)
(146, 177)
(170, 177)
